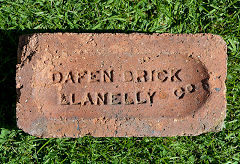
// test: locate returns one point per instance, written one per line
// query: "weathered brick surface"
(71, 85)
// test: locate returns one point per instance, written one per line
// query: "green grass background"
(172, 16)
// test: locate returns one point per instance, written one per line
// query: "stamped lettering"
(155, 84)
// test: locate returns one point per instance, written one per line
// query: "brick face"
(115, 85)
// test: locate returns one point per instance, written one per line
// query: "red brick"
(72, 85)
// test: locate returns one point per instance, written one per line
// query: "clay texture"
(116, 85)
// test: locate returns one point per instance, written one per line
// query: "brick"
(115, 85)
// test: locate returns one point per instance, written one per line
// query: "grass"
(18, 17)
